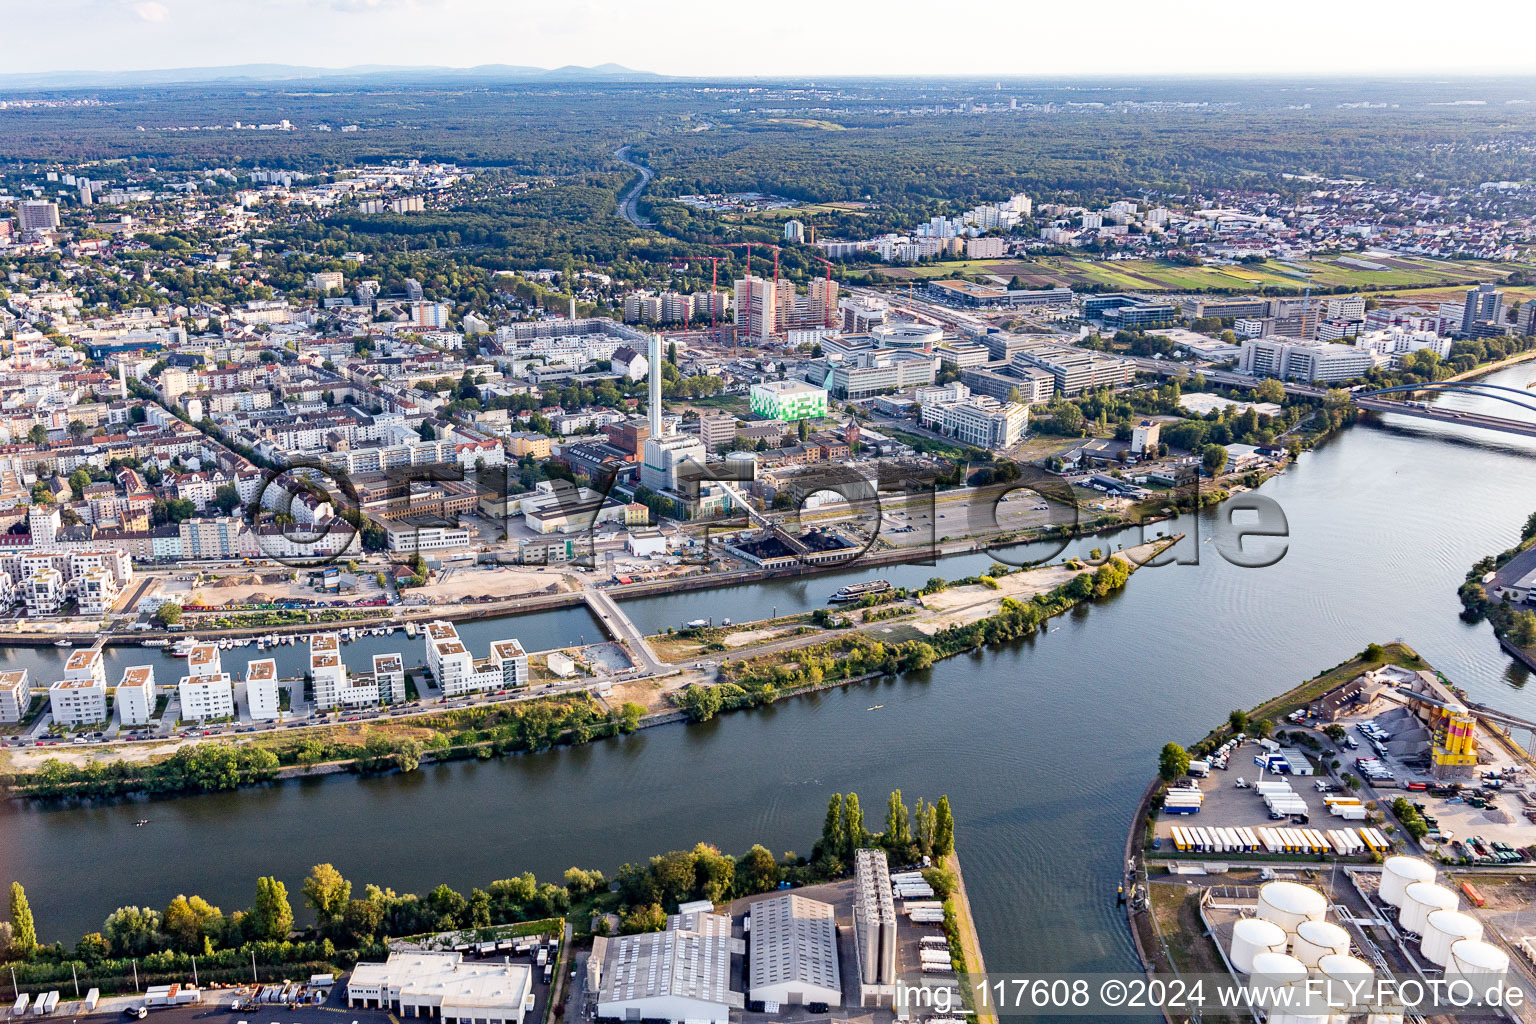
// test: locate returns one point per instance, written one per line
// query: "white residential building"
(389, 677)
(95, 592)
(43, 592)
(15, 696)
(206, 697)
(458, 673)
(333, 686)
(80, 697)
(135, 695)
(262, 702)
(203, 660)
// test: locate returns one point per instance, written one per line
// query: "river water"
(1043, 747)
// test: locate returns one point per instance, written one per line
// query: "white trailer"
(91, 999)
(19, 1007)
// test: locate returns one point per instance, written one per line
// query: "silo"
(1477, 962)
(1398, 873)
(1422, 899)
(1443, 928)
(1288, 904)
(1251, 936)
(1317, 939)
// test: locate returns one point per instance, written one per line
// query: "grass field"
(1161, 275)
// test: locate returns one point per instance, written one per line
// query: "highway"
(629, 205)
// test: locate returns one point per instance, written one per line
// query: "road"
(629, 207)
(619, 626)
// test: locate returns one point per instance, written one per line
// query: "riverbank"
(1318, 718)
(970, 614)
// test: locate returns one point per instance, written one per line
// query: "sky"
(785, 37)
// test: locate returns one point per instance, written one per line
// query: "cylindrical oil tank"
(1444, 928)
(1251, 936)
(1288, 904)
(1398, 873)
(1477, 962)
(1276, 971)
(1342, 971)
(1422, 899)
(1317, 939)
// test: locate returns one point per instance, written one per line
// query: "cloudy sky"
(786, 37)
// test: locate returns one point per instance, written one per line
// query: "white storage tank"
(1478, 962)
(1344, 971)
(1422, 899)
(1275, 971)
(1252, 936)
(1442, 929)
(1317, 939)
(1398, 873)
(1288, 904)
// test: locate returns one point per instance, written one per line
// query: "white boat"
(856, 591)
(64, 643)
(156, 643)
(183, 647)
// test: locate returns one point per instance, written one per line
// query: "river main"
(1043, 747)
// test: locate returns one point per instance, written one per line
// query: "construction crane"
(748, 246)
(714, 281)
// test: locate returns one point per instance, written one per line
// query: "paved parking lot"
(1226, 806)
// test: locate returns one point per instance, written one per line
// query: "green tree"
(1373, 652)
(582, 883)
(38, 434)
(190, 922)
(23, 928)
(832, 829)
(649, 918)
(132, 931)
(943, 829)
(1213, 458)
(327, 892)
(1172, 762)
(168, 614)
(1270, 390)
(79, 480)
(1238, 720)
(898, 823)
(757, 871)
(854, 836)
(271, 916)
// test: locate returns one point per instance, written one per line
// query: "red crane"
(714, 282)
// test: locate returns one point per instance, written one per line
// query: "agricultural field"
(1161, 275)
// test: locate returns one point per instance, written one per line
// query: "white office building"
(1295, 359)
(980, 421)
(135, 696)
(262, 701)
(444, 986)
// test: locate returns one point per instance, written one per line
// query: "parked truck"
(171, 995)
